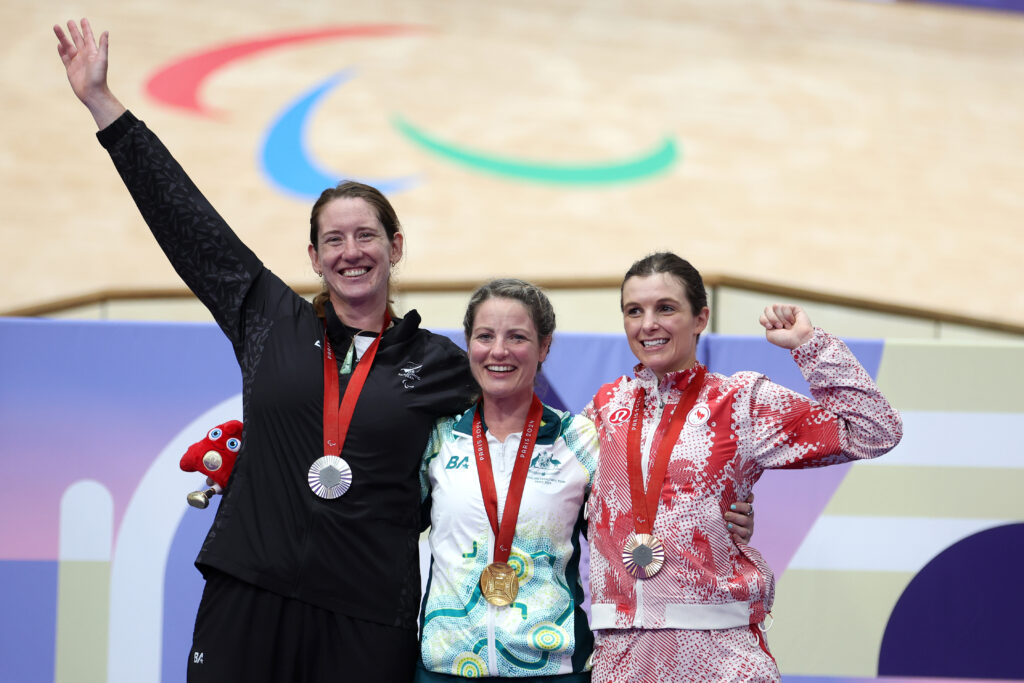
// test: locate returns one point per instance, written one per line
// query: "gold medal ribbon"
(503, 536)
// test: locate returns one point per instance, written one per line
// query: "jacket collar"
(550, 425)
(340, 334)
(673, 381)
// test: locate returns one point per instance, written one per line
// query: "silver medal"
(330, 477)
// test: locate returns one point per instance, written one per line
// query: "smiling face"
(505, 349)
(659, 322)
(354, 254)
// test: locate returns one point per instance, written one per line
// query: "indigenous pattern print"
(544, 631)
(741, 426)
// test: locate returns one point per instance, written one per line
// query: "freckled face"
(659, 322)
(504, 350)
(354, 252)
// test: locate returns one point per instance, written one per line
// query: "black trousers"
(245, 633)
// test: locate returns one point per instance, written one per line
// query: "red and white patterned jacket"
(752, 424)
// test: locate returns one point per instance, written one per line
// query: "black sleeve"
(209, 257)
(451, 389)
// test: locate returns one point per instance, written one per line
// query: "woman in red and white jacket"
(674, 598)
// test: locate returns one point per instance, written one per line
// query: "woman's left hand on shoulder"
(786, 325)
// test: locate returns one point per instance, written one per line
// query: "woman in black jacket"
(311, 563)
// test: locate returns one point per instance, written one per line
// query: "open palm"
(84, 59)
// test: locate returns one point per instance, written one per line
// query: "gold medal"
(643, 555)
(499, 583)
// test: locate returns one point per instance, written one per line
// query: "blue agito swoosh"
(286, 158)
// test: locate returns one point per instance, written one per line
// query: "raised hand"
(786, 325)
(85, 61)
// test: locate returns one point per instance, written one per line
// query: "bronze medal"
(499, 584)
(643, 555)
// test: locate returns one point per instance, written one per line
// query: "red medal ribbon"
(645, 504)
(336, 422)
(503, 537)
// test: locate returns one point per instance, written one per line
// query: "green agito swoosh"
(649, 164)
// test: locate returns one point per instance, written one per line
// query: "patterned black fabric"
(356, 555)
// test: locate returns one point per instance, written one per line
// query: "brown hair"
(683, 270)
(542, 313)
(350, 189)
(667, 262)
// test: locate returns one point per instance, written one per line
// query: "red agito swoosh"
(177, 84)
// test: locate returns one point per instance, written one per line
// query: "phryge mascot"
(213, 456)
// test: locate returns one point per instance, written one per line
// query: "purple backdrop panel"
(99, 400)
(95, 400)
(959, 615)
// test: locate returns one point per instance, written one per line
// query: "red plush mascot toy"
(214, 456)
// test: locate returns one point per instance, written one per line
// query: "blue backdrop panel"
(28, 620)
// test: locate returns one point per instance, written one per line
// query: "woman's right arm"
(204, 251)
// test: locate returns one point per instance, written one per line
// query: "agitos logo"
(289, 166)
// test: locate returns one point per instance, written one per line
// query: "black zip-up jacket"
(357, 554)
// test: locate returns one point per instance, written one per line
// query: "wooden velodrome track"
(862, 149)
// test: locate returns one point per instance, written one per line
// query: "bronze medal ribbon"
(337, 421)
(645, 504)
(503, 536)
